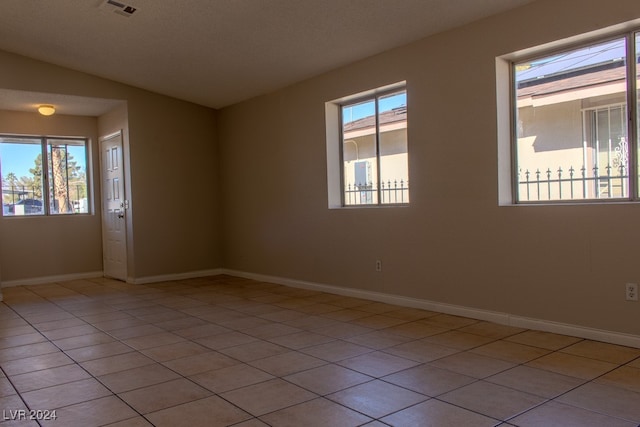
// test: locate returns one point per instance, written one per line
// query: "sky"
(19, 158)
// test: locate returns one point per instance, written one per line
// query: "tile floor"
(222, 351)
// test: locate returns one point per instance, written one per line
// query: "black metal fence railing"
(574, 185)
(21, 200)
(27, 200)
(14, 193)
(390, 192)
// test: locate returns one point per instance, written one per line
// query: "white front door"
(114, 205)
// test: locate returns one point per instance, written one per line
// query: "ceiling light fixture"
(46, 110)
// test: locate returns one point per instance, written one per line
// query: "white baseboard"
(577, 331)
(95, 274)
(178, 276)
(474, 313)
(51, 279)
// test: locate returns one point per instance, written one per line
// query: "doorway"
(114, 207)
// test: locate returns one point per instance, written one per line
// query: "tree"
(11, 179)
(36, 181)
(62, 169)
(59, 174)
(10, 183)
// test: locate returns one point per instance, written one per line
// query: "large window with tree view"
(43, 175)
(574, 130)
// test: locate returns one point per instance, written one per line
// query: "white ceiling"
(219, 52)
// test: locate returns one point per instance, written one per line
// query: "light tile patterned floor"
(222, 351)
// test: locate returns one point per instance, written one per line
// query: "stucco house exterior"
(571, 125)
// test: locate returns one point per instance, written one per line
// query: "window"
(43, 175)
(573, 134)
(374, 149)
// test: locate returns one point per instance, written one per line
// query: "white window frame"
(334, 141)
(507, 128)
(46, 183)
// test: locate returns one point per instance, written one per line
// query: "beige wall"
(173, 182)
(453, 244)
(175, 179)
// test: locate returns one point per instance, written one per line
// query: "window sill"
(385, 206)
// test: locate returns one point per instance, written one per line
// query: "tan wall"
(453, 244)
(173, 178)
(550, 139)
(551, 136)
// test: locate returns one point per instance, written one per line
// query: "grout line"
(169, 292)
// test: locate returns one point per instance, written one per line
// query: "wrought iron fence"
(14, 193)
(21, 200)
(390, 192)
(31, 200)
(577, 184)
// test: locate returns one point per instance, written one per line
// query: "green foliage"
(73, 176)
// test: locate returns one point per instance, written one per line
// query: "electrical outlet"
(631, 292)
(378, 265)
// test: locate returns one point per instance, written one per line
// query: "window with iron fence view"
(374, 150)
(572, 124)
(43, 176)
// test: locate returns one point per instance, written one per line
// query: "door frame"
(103, 207)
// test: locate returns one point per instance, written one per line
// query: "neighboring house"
(571, 125)
(359, 155)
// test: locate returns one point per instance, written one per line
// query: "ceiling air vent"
(119, 8)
